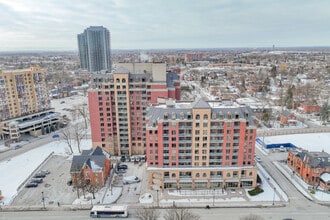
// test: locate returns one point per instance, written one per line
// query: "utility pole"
(43, 200)
(274, 196)
(213, 196)
(157, 198)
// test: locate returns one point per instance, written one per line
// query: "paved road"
(297, 202)
(206, 214)
(34, 143)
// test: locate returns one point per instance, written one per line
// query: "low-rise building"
(287, 118)
(312, 167)
(92, 167)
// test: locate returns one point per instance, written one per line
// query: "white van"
(131, 179)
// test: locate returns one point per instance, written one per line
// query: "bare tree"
(67, 137)
(180, 214)
(73, 134)
(147, 214)
(80, 183)
(78, 133)
(91, 188)
(252, 217)
(80, 112)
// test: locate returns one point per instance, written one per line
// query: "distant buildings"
(94, 49)
(25, 104)
(312, 167)
(190, 57)
(201, 144)
(118, 104)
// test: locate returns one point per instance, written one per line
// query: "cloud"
(54, 24)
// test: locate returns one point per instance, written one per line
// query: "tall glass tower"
(94, 49)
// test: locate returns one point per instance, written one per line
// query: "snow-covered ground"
(63, 105)
(310, 142)
(16, 170)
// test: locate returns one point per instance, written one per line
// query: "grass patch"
(255, 191)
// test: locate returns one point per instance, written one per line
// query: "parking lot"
(55, 189)
(54, 186)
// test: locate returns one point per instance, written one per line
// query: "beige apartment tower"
(22, 93)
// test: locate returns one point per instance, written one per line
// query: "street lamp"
(43, 200)
(157, 198)
(213, 196)
(274, 196)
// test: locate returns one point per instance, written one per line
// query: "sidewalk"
(319, 196)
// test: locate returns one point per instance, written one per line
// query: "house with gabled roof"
(288, 118)
(312, 167)
(91, 167)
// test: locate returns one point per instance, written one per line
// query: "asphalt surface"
(54, 186)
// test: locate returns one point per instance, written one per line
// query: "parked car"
(69, 183)
(39, 175)
(122, 158)
(122, 167)
(17, 147)
(120, 171)
(36, 180)
(31, 185)
(46, 172)
(131, 179)
(56, 136)
(257, 158)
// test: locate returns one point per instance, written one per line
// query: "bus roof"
(109, 207)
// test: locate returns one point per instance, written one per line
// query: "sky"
(160, 24)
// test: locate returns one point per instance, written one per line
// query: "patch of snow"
(146, 198)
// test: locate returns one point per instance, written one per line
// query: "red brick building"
(310, 108)
(201, 144)
(287, 117)
(118, 103)
(91, 167)
(310, 166)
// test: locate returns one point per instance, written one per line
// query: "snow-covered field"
(310, 142)
(16, 170)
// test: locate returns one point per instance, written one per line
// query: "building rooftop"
(183, 110)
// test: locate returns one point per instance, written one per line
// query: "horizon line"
(186, 48)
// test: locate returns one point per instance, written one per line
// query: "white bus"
(109, 211)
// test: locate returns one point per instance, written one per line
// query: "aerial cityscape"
(149, 110)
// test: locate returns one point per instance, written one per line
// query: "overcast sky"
(152, 24)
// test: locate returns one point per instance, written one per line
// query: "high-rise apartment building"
(23, 99)
(94, 49)
(118, 103)
(201, 144)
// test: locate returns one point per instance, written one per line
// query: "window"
(197, 117)
(205, 117)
